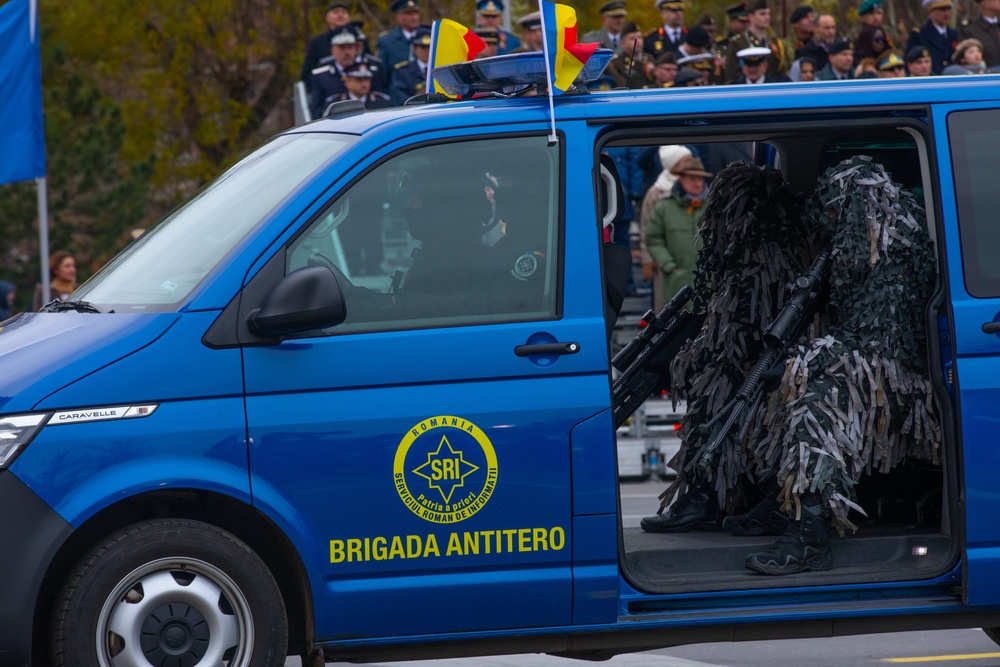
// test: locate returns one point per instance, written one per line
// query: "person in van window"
(62, 280)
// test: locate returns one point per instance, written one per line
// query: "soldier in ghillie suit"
(858, 399)
(753, 245)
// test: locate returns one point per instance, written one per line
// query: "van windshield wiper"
(58, 306)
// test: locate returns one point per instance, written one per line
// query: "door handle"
(991, 327)
(547, 348)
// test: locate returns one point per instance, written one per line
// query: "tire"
(993, 633)
(169, 592)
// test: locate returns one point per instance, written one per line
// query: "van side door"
(419, 453)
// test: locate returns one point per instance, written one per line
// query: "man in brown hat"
(986, 30)
(670, 35)
(758, 34)
(610, 34)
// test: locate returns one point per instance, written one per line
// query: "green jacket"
(670, 237)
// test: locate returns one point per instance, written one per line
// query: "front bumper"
(30, 535)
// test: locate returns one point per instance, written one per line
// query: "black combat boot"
(695, 510)
(804, 546)
(766, 518)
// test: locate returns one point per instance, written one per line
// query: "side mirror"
(304, 300)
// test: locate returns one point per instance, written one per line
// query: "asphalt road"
(944, 648)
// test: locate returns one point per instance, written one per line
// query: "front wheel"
(170, 591)
(993, 633)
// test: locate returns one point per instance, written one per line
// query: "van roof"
(618, 104)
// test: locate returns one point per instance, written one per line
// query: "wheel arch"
(227, 513)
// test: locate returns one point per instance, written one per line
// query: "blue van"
(335, 406)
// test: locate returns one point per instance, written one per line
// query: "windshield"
(166, 263)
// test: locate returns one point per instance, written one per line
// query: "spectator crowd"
(340, 63)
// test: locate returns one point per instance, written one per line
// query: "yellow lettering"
(472, 543)
(541, 540)
(431, 546)
(413, 546)
(396, 548)
(557, 545)
(454, 546)
(353, 550)
(523, 539)
(378, 548)
(336, 551)
(510, 532)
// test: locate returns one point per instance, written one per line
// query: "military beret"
(869, 6)
(756, 5)
(705, 19)
(739, 10)
(613, 8)
(697, 36)
(630, 26)
(405, 6)
(800, 13)
(421, 36)
(490, 7)
(666, 58)
(936, 4)
(335, 5)
(916, 53)
(840, 45)
(532, 21)
(686, 76)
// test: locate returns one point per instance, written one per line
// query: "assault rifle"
(783, 332)
(646, 359)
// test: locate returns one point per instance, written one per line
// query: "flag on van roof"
(22, 135)
(451, 42)
(565, 57)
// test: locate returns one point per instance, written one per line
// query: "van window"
(975, 139)
(162, 267)
(447, 234)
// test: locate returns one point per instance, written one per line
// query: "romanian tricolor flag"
(564, 56)
(451, 43)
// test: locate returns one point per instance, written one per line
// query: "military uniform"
(507, 41)
(987, 33)
(327, 83)
(373, 100)
(317, 53)
(408, 79)
(748, 40)
(619, 69)
(659, 42)
(941, 47)
(380, 74)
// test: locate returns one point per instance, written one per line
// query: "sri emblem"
(445, 469)
(525, 266)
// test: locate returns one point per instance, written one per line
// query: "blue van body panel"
(177, 367)
(43, 352)
(79, 469)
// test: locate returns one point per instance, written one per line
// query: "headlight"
(16, 431)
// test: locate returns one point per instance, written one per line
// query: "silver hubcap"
(180, 612)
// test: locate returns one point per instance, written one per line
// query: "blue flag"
(22, 135)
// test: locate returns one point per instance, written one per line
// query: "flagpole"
(553, 139)
(43, 236)
(429, 83)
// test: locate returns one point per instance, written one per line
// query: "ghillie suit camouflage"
(753, 245)
(857, 399)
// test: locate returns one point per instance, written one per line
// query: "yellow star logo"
(445, 469)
